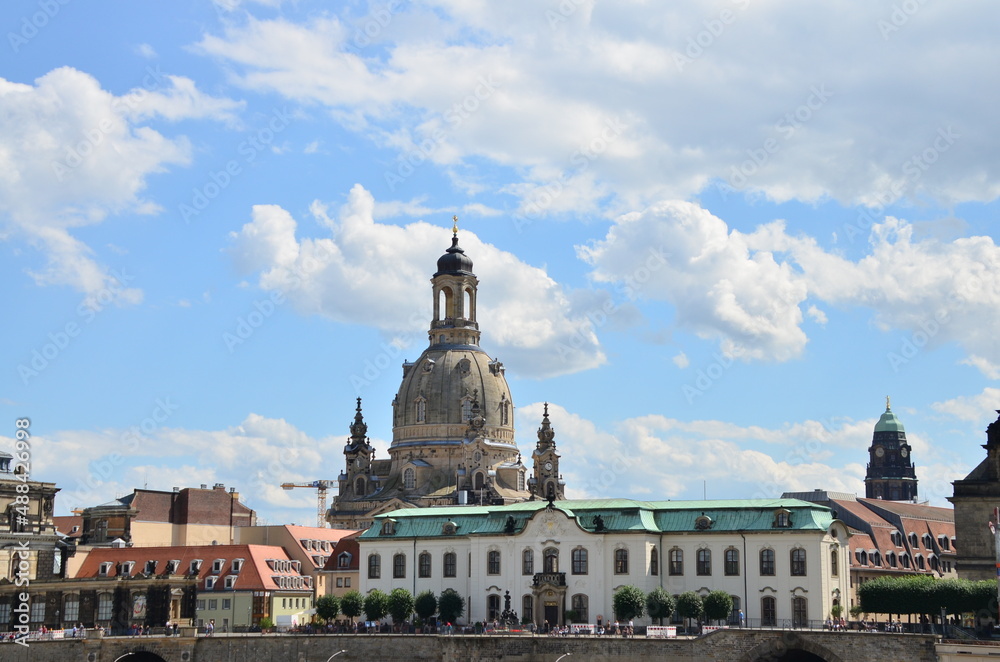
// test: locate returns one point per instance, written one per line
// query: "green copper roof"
(889, 422)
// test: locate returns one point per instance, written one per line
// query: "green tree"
(659, 604)
(717, 605)
(327, 607)
(400, 605)
(451, 605)
(426, 605)
(689, 605)
(376, 605)
(266, 624)
(628, 602)
(352, 604)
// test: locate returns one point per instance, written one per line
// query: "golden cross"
(454, 227)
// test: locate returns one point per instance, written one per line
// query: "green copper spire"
(889, 422)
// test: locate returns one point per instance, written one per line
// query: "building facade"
(783, 561)
(975, 497)
(891, 474)
(453, 438)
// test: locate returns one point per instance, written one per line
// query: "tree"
(327, 607)
(628, 602)
(689, 605)
(400, 605)
(352, 604)
(376, 605)
(426, 605)
(451, 605)
(659, 604)
(836, 610)
(717, 605)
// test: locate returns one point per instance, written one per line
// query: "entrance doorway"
(552, 614)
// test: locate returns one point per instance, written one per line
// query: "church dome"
(889, 423)
(454, 261)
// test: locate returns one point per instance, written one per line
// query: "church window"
(732, 562)
(703, 564)
(450, 562)
(399, 566)
(767, 562)
(580, 606)
(834, 563)
(798, 559)
(528, 562)
(520, 481)
(504, 412)
(466, 409)
(579, 561)
(621, 561)
(493, 562)
(467, 307)
(528, 608)
(424, 565)
(421, 410)
(676, 561)
(409, 478)
(654, 562)
(359, 487)
(550, 558)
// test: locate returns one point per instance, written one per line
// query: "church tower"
(546, 483)
(891, 475)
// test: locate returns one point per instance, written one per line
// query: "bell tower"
(358, 453)
(454, 287)
(891, 474)
(546, 483)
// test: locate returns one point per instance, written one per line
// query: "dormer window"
(230, 581)
(195, 566)
(150, 568)
(104, 569)
(703, 523)
(172, 566)
(449, 528)
(217, 565)
(237, 565)
(210, 583)
(782, 519)
(388, 527)
(127, 568)
(344, 560)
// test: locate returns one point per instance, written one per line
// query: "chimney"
(177, 489)
(219, 486)
(204, 486)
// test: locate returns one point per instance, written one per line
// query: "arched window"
(800, 612)
(654, 562)
(767, 562)
(621, 561)
(467, 307)
(424, 565)
(580, 604)
(374, 566)
(359, 486)
(550, 559)
(449, 564)
(493, 607)
(399, 566)
(528, 608)
(493, 562)
(71, 609)
(504, 411)
(409, 478)
(734, 615)
(520, 481)
(676, 561)
(732, 562)
(704, 562)
(920, 562)
(834, 563)
(579, 561)
(528, 562)
(768, 611)
(798, 558)
(421, 410)
(480, 480)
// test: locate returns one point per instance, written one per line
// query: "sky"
(713, 235)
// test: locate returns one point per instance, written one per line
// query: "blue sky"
(714, 237)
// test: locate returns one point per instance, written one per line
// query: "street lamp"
(335, 655)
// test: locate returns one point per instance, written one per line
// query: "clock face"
(879, 451)
(904, 452)
(548, 466)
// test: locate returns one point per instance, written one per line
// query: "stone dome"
(454, 261)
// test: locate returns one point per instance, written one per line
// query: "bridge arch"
(790, 647)
(139, 656)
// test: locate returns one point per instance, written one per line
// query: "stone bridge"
(723, 645)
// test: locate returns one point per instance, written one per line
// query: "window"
(450, 562)
(424, 565)
(704, 562)
(340, 582)
(359, 487)
(504, 412)
(913, 539)
(520, 481)
(767, 562)
(104, 605)
(467, 410)
(209, 583)
(528, 608)
(550, 559)
(580, 604)
(199, 605)
(654, 562)
(782, 519)
(388, 527)
(421, 410)
(732, 562)
(71, 610)
(800, 612)
(734, 615)
(172, 566)
(398, 566)
(217, 565)
(493, 607)
(409, 478)
(920, 561)
(528, 562)
(237, 565)
(579, 561)
(227, 603)
(835, 563)
(195, 566)
(150, 568)
(676, 561)
(621, 561)
(38, 609)
(798, 562)
(347, 582)
(230, 581)
(891, 558)
(103, 571)
(344, 560)
(493, 562)
(374, 566)
(213, 604)
(4, 612)
(768, 611)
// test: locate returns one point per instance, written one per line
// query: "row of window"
(903, 559)
(928, 541)
(580, 564)
(504, 407)
(170, 568)
(213, 604)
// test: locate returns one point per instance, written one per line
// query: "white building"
(783, 561)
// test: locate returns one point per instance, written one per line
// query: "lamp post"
(335, 655)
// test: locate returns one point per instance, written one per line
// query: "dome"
(889, 423)
(454, 261)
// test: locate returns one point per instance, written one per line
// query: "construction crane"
(321, 486)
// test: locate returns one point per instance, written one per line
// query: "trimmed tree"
(689, 605)
(425, 605)
(659, 604)
(451, 605)
(717, 605)
(400, 605)
(376, 605)
(352, 604)
(629, 602)
(327, 607)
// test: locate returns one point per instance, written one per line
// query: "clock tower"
(546, 483)
(891, 475)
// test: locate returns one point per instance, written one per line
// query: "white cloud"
(72, 153)
(146, 51)
(378, 273)
(681, 360)
(970, 408)
(989, 369)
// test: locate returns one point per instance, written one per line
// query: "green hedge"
(922, 594)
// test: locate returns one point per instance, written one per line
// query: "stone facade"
(975, 497)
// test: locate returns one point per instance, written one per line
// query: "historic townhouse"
(784, 561)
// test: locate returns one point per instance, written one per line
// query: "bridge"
(723, 645)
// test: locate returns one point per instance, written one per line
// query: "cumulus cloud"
(970, 408)
(378, 273)
(72, 153)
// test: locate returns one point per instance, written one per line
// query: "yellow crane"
(321, 486)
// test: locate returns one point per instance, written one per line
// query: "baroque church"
(453, 439)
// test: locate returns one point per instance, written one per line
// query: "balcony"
(551, 578)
